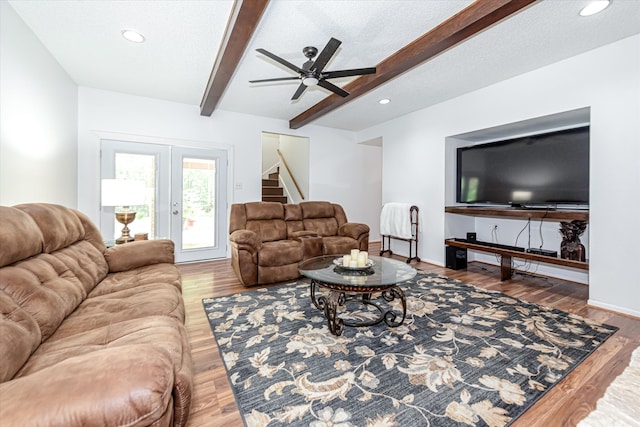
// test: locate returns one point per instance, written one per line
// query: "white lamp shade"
(122, 192)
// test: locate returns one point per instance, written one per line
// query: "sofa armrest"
(127, 385)
(139, 254)
(247, 240)
(353, 229)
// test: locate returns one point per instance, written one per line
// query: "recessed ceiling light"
(384, 101)
(595, 7)
(132, 36)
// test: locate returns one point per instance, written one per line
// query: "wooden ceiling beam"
(243, 21)
(468, 22)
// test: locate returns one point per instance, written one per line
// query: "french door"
(186, 197)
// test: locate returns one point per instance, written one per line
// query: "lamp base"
(126, 217)
(121, 240)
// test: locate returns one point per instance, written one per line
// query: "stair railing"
(293, 179)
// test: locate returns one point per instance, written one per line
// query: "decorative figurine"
(571, 248)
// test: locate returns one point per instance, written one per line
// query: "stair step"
(281, 199)
(269, 182)
(272, 191)
(274, 175)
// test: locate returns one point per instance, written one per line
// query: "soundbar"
(544, 252)
(491, 244)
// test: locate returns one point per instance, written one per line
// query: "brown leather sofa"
(89, 336)
(269, 239)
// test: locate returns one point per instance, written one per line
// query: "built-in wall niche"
(289, 156)
(520, 232)
(550, 123)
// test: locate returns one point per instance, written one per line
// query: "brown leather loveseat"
(269, 239)
(89, 336)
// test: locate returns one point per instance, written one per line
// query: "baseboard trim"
(614, 308)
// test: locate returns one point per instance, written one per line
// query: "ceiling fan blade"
(299, 92)
(280, 60)
(349, 73)
(278, 79)
(333, 88)
(326, 54)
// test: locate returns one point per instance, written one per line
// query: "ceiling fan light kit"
(310, 81)
(312, 72)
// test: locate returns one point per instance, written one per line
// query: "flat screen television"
(548, 169)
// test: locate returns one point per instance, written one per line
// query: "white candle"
(366, 257)
(346, 260)
(353, 263)
(354, 253)
(362, 260)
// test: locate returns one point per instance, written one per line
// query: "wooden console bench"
(507, 254)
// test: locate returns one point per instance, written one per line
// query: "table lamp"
(123, 193)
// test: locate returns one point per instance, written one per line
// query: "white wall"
(295, 151)
(38, 116)
(607, 80)
(117, 116)
(270, 144)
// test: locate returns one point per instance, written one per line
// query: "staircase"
(271, 191)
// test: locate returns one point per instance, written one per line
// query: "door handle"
(175, 212)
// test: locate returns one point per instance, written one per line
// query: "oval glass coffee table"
(343, 285)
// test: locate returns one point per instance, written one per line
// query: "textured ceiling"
(174, 63)
(183, 37)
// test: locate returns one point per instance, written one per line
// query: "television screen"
(544, 169)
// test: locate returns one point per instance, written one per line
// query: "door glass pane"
(198, 203)
(140, 167)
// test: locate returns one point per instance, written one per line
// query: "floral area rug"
(463, 357)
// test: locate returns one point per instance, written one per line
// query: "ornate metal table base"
(340, 294)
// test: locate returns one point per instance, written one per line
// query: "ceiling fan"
(312, 73)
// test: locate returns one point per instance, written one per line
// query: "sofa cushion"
(144, 300)
(159, 275)
(323, 226)
(264, 210)
(317, 210)
(50, 286)
(20, 337)
(268, 230)
(58, 225)
(282, 252)
(319, 217)
(159, 331)
(266, 219)
(50, 276)
(292, 212)
(23, 233)
(293, 218)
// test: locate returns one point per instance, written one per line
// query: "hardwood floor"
(566, 404)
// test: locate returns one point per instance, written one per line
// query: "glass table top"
(384, 272)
